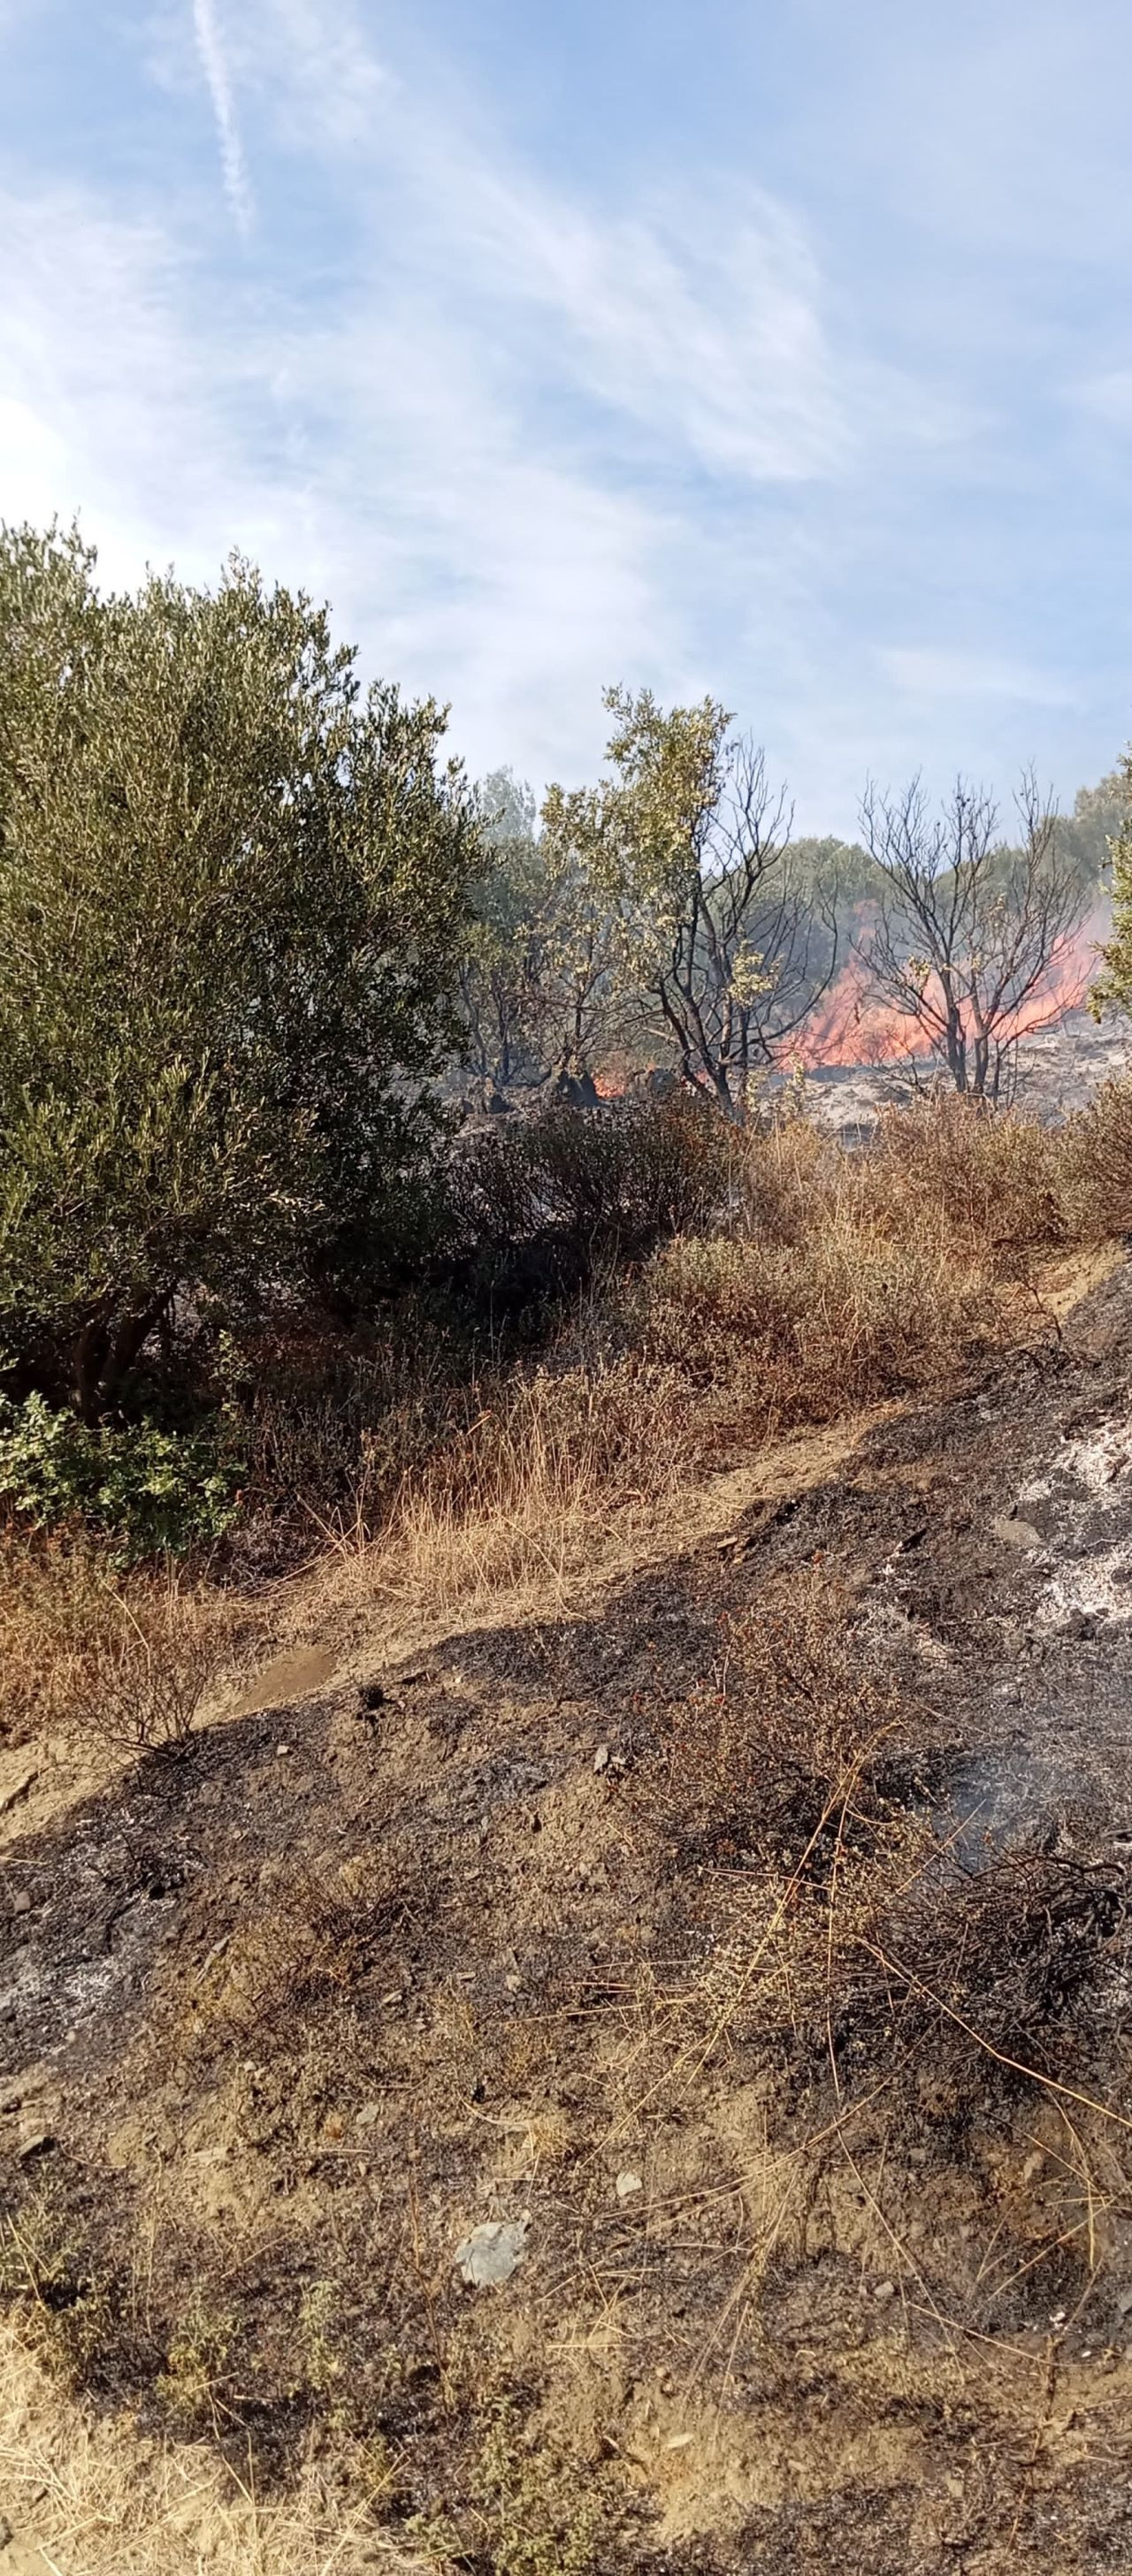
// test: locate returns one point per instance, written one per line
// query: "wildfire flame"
(855, 1025)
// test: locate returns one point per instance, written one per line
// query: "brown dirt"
(284, 2015)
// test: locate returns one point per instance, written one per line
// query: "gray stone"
(490, 2253)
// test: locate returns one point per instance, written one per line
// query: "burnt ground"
(811, 2277)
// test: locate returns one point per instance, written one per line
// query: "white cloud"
(237, 185)
(316, 68)
(931, 671)
(525, 439)
(1108, 397)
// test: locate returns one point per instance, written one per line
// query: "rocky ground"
(457, 1961)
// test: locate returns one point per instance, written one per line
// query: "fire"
(855, 1025)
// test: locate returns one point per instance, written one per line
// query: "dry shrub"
(126, 1657)
(103, 2498)
(994, 1182)
(785, 1789)
(162, 1646)
(785, 1333)
(782, 1748)
(518, 1496)
(817, 1865)
(1096, 1155)
(589, 1186)
(1003, 1954)
(832, 1280)
(281, 1969)
(53, 1611)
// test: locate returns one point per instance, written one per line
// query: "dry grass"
(103, 2501)
(829, 1884)
(124, 1659)
(832, 1281)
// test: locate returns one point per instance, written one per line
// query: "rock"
(368, 2115)
(628, 2185)
(601, 1758)
(884, 2291)
(21, 1903)
(1015, 1532)
(489, 2255)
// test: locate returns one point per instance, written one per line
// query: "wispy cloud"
(930, 672)
(210, 47)
(534, 423)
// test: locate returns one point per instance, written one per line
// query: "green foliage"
(232, 901)
(719, 942)
(150, 1490)
(502, 982)
(542, 2520)
(1115, 985)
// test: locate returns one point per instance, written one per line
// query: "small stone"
(369, 2114)
(489, 2254)
(679, 2441)
(21, 1903)
(35, 2135)
(513, 1982)
(601, 1758)
(884, 2291)
(1015, 1532)
(1033, 2166)
(1124, 2304)
(628, 2185)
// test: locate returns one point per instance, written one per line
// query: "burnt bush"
(538, 1207)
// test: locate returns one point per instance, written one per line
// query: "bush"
(538, 1207)
(149, 1490)
(232, 897)
(999, 1181)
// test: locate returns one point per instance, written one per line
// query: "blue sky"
(777, 348)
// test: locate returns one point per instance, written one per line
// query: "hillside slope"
(744, 1932)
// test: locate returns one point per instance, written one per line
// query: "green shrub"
(148, 1489)
(232, 899)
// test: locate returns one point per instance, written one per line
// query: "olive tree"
(718, 940)
(232, 899)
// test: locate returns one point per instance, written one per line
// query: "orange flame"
(855, 1025)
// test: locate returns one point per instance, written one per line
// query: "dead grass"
(104, 2500)
(826, 1882)
(834, 1281)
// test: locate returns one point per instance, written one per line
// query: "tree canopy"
(233, 894)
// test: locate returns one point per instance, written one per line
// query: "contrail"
(237, 186)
